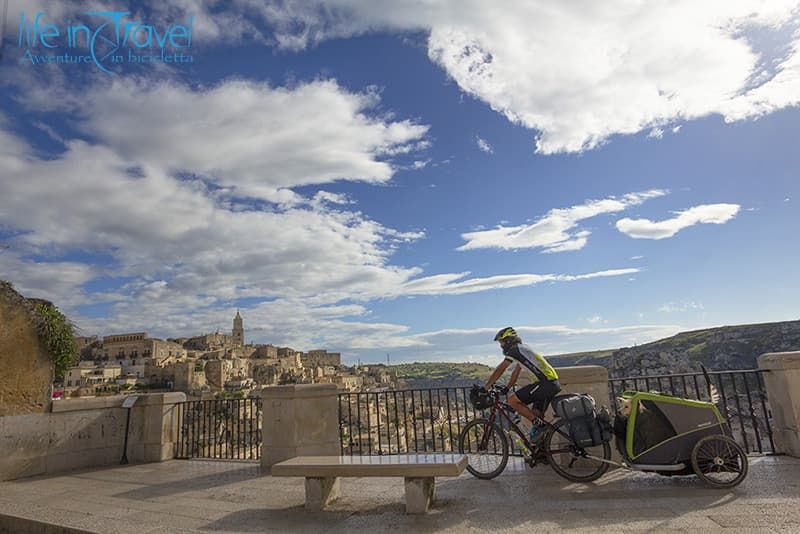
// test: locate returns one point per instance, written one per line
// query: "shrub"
(55, 331)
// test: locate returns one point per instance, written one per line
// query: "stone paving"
(183, 496)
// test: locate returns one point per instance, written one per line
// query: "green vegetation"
(56, 333)
(448, 372)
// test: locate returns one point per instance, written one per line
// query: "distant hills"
(721, 348)
(439, 374)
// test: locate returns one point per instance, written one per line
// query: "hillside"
(727, 347)
(439, 374)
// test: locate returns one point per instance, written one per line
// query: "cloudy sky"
(405, 178)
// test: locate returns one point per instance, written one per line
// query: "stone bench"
(322, 475)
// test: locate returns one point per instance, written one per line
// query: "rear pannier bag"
(583, 431)
(604, 425)
(587, 427)
(574, 406)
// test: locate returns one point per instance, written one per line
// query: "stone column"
(590, 379)
(299, 420)
(782, 380)
(159, 417)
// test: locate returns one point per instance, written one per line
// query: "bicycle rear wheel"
(574, 463)
(486, 447)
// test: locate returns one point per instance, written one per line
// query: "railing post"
(299, 420)
(783, 394)
(160, 422)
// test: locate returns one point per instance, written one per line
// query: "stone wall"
(82, 433)
(26, 367)
(782, 380)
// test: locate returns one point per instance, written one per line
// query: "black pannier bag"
(571, 407)
(579, 411)
(584, 431)
(604, 426)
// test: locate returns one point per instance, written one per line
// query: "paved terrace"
(182, 496)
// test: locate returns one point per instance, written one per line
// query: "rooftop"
(181, 496)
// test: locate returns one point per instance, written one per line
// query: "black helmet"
(505, 334)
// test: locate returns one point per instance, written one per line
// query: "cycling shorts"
(539, 394)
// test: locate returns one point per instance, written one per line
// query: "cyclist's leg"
(540, 398)
(521, 399)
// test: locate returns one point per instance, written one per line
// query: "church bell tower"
(238, 331)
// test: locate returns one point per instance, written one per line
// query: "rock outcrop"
(26, 368)
(724, 348)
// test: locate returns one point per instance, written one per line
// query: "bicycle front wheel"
(576, 464)
(486, 447)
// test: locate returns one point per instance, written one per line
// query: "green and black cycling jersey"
(533, 362)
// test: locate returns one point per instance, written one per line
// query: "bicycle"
(487, 447)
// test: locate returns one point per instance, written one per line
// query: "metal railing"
(743, 400)
(405, 421)
(228, 429)
(402, 421)
(430, 420)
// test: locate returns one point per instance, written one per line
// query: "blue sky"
(374, 179)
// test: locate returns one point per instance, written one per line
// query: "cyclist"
(544, 382)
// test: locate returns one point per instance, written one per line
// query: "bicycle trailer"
(676, 436)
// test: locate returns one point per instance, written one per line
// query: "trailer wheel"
(719, 461)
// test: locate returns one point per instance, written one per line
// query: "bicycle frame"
(502, 409)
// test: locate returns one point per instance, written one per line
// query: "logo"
(107, 38)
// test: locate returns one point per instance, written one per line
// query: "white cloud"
(702, 214)
(636, 66)
(179, 249)
(483, 145)
(252, 139)
(454, 284)
(673, 307)
(637, 257)
(656, 133)
(555, 231)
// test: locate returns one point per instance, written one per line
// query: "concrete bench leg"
(320, 492)
(419, 494)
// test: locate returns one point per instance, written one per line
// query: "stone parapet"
(81, 433)
(782, 380)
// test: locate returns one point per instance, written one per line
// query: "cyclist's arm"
(514, 375)
(498, 372)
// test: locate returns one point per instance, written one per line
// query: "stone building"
(266, 352)
(187, 376)
(137, 353)
(209, 342)
(321, 358)
(91, 379)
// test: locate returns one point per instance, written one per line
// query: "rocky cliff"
(727, 347)
(26, 368)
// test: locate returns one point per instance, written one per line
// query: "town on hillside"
(207, 366)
